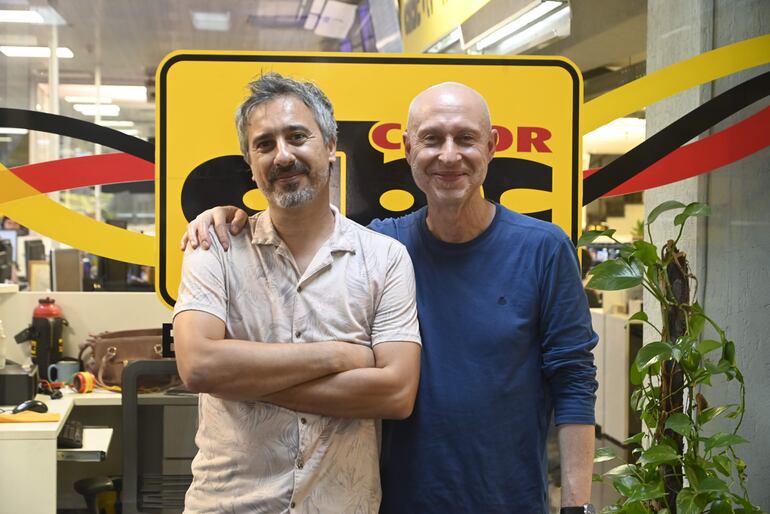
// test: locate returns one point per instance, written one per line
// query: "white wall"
(86, 313)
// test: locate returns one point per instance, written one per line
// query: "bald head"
(448, 96)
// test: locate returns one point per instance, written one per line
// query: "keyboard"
(71, 435)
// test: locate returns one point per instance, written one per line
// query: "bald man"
(506, 333)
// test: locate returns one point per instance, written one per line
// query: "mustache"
(296, 167)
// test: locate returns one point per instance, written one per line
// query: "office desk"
(28, 455)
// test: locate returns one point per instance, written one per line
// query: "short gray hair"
(270, 86)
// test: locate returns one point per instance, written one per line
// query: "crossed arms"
(331, 378)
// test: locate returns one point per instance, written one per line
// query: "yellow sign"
(534, 102)
(423, 22)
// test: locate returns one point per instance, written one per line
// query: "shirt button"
(299, 289)
(302, 420)
(298, 333)
(300, 464)
(292, 505)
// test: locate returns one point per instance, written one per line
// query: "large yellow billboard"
(534, 103)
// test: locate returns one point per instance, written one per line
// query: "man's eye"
(298, 137)
(430, 139)
(263, 146)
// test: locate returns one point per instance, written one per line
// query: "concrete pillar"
(729, 252)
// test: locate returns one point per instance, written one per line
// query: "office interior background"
(96, 60)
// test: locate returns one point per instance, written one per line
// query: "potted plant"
(676, 467)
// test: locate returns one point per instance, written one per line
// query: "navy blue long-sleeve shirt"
(507, 340)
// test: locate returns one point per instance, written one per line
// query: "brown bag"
(106, 354)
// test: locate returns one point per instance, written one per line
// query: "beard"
(294, 194)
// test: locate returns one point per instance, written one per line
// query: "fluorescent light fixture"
(555, 26)
(20, 17)
(87, 100)
(118, 93)
(518, 23)
(446, 41)
(216, 21)
(49, 15)
(36, 51)
(117, 123)
(102, 109)
(13, 130)
(5, 139)
(131, 132)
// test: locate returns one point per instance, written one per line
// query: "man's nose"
(283, 154)
(449, 153)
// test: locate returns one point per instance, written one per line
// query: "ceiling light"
(49, 14)
(557, 25)
(218, 21)
(92, 109)
(20, 17)
(13, 130)
(117, 123)
(117, 93)
(516, 24)
(446, 41)
(36, 51)
(87, 100)
(5, 139)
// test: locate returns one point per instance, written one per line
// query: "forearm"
(248, 370)
(576, 448)
(359, 393)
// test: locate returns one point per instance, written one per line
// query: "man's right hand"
(198, 229)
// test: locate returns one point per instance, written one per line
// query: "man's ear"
(407, 147)
(332, 151)
(492, 143)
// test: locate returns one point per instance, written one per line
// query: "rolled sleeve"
(395, 317)
(567, 339)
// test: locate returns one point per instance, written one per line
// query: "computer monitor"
(6, 261)
(12, 236)
(29, 248)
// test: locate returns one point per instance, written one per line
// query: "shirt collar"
(341, 239)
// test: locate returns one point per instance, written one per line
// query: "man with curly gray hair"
(301, 335)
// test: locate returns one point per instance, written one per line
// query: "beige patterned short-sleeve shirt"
(255, 457)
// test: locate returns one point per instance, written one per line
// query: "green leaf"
(676, 353)
(722, 463)
(660, 454)
(596, 478)
(646, 252)
(636, 376)
(697, 320)
(614, 275)
(694, 209)
(626, 485)
(721, 507)
(634, 439)
(660, 209)
(679, 423)
(635, 508)
(621, 471)
(647, 492)
(728, 352)
(708, 345)
(688, 503)
(589, 236)
(711, 413)
(639, 316)
(651, 353)
(721, 440)
(604, 454)
(712, 485)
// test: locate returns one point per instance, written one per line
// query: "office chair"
(145, 487)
